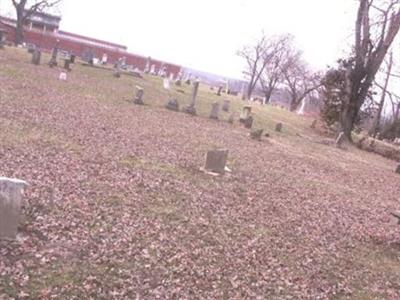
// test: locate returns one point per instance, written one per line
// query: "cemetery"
(142, 187)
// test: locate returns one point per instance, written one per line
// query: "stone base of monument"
(173, 105)
(138, 101)
(216, 162)
(191, 110)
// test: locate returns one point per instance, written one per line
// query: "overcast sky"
(206, 34)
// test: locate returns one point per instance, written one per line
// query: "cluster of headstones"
(68, 61)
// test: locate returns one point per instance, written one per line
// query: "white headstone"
(166, 84)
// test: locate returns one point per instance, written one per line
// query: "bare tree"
(298, 79)
(24, 9)
(377, 24)
(272, 74)
(377, 118)
(257, 57)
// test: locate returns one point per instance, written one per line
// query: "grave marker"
(11, 191)
(36, 56)
(191, 109)
(173, 105)
(216, 161)
(279, 127)
(246, 112)
(225, 105)
(214, 111)
(139, 96)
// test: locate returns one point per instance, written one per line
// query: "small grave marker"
(173, 105)
(214, 111)
(279, 127)
(256, 134)
(139, 95)
(225, 105)
(36, 56)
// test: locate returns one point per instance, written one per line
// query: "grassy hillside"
(118, 209)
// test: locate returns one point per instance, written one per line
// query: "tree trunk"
(19, 29)
(268, 94)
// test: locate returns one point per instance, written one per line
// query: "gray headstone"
(279, 127)
(216, 161)
(398, 169)
(191, 109)
(225, 105)
(173, 104)
(139, 95)
(67, 64)
(214, 111)
(256, 134)
(2, 38)
(36, 56)
(11, 191)
(53, 60)
(248, 123)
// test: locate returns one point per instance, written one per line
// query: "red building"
(42, 30)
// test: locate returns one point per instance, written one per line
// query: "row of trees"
(276, 62)
(348, 89)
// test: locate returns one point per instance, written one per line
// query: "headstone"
(216, 161)
(219, 91)
(340, 139)
(178, 82)
(173, 104)
(117, 72)
(225, 105)
(11, 191)
(256, 134)
(67, 63)
(278, 127)
(191, 109)
(72, 58)
(63, 76)
(2, 38)
(53, 60)
(139, 95)
(214, 111)
(166, 84)
(171, 77)
(398, 169)
(248, 123)
(153, 70)
(245, 113)
(104, 59)
(36, 56)
(147, 66)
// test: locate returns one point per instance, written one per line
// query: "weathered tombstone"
(398, 169)
(153, 69)
(171, 77)
(216, 161)
(248, 123)
(67, 64)
(166, 83)
(72, 58)
(139, 95)
(225, 105)
(314, 124)
(340, 139)
(278, 127)
(178, 82)
(191, 109)
(53, 60)
(147, 66)
(117, 73)
(214, 111)
(36, 56)
(245, 113)
(256, 134)
(219, 91)
(2, 38)
(11, 191)
(173, 104)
